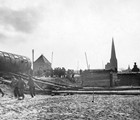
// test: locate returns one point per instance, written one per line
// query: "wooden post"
(93, 95)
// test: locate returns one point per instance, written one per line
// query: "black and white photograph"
(69, 60)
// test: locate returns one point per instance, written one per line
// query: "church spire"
(113, 53)
(113, 59)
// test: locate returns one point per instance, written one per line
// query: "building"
(42, 66)
(135, 68)
(128, 70)
(112, 65)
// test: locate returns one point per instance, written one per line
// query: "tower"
(113, 59)
(113, 65)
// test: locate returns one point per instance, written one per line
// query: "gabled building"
(41, 66)
(112, 65)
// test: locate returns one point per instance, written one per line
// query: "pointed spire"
(113, 65)
(113, 59)
(129, 69)
(113, 53)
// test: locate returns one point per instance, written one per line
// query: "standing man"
(31, 86)
(2, 92)
(21, 87)
(1, 89)
(14, 84)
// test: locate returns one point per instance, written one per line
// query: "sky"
(69, 28)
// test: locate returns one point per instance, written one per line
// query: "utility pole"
(32, 58)
(77, 66)
(88, 66)
(102, 64)
(52, 59)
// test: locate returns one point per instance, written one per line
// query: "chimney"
(32, 58)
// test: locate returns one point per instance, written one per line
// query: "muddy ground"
(72, 107)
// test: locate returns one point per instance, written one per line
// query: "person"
(1, 89)
(21, 86)
(31, 86)
(14, 84)
(2, 92)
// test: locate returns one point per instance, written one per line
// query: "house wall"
(96, 78)
(128, 79)
(93, 78)
(39, 66)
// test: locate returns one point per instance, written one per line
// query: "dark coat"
(21, 84)
(31, 83)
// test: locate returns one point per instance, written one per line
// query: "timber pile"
(129, 92)
(43, 85)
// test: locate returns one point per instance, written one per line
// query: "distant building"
(42, 66)
(107, 66)
(128, 70)
(112, 65)
(135, 68)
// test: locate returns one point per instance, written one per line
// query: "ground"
(70, 107)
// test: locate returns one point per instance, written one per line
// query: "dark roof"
(43, 59)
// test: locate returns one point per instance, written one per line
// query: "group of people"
(19, 86)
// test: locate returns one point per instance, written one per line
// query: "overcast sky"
(69, 28)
